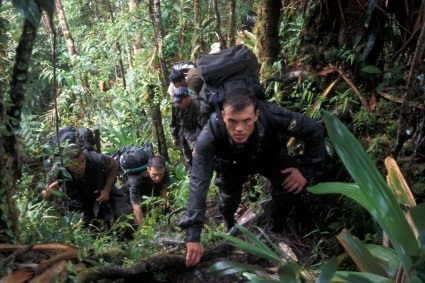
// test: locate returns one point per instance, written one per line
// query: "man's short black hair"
(244, 28)
(239, 98)
(177, 76)
(72, 151)
(157, 162)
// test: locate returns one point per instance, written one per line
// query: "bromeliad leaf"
(378, 198)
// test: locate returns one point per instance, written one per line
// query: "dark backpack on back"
(83, 137)
(134, 159)
(66, 135)
(228, 69)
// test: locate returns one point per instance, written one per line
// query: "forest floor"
(309, 238)
(50, 262)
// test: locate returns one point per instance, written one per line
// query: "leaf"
(371, 69)
(180, 171)
(376, 196)
(360, 254)
(226, 268)
(258, 279)
(287, 274)
(351, 276)
(327, 271)
(417, 215)
(398, 184)
(386, 258)
(29, 9)
(261, 250)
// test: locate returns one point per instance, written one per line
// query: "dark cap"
(180, 93)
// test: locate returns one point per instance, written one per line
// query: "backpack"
(134, 159)
(66, 136)
(179, 71)
(83, 137)
(231, 68)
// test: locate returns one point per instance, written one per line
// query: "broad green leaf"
(360, 254)
(226, 268)
(287, 274)
(255, 239)
(370, 69)
(386, 258)
(180, 171)
(419, 269)
(327, 271)
(351, 277)
(350, 190)
(29, 9)
(381, 202)
(251, 248)
(417, 214)
(258, 279)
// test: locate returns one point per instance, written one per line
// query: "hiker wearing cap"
(249, 137)
(186, 122)
(89, 189)
(178, 76)
(150, 183)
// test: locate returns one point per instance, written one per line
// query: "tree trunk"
(267, 32)
(217, 25)
(232, 23)
(65, 29)
(137, 45)
(155, 12)
(9, 162)
(117, 45)
(407, 110)
(202, 49)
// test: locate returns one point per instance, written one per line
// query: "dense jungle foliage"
(356, 65)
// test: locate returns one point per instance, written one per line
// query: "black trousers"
(232, 175)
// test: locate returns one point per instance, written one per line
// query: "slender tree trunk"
(217, 25)
(65, 29)
(117, 45)
(406, 114)
(155, 12)
(267, 32)
(137, 45)
(198, 24)
(232, 23)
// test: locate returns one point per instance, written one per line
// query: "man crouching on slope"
(249, 137)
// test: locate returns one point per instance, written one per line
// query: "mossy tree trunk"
(155, 12)
(267, 33)
(10, 122)
(231, 24)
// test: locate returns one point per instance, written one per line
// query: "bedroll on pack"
(135, 158)
(231, 68)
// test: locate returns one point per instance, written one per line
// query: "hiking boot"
(229, 223)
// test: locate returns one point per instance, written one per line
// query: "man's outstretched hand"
(294, 182)
(195, 251)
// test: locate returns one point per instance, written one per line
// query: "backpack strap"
(133, 170)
